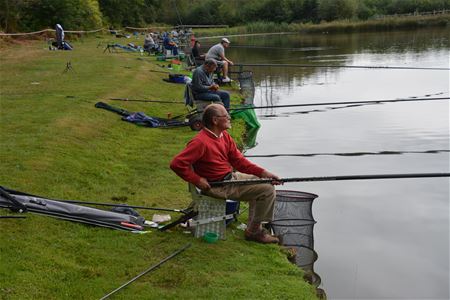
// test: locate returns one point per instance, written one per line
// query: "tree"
(10, 14)
(303, 10)
(123, 13)
(72, 14)
(330, 10)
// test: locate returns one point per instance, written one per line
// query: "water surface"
(376, 239)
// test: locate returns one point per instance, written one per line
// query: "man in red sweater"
(211, 156)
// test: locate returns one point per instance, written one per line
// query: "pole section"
(330, 178)
(148, 270)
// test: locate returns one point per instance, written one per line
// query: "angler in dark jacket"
(203, 86)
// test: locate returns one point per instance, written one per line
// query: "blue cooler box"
(232, 207)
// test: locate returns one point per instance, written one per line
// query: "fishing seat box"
(220, 210)
(199, 104)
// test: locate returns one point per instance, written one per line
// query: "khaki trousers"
(261, 197)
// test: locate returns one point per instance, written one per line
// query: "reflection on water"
(383, 239)
(339, 106)
(247, 86)
(371, 49)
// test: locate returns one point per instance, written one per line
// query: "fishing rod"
(328, 178)
(294, 105)
(341, 103)
(276, 48)
(386, 152)
(148, 270)
(156, 71)
(334, 66)
(145, 100)
(123, 205)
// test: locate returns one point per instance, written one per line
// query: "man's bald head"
(211, 111)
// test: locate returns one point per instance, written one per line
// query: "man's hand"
(214, 87)
(267, 174)
(203, 184)
(230, 62)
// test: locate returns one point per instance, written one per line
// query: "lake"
(374, 238)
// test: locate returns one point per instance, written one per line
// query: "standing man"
(211, 156)
(217, 52)
(203, 86)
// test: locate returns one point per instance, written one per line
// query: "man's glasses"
(224, 116)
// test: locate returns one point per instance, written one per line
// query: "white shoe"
(226, 79)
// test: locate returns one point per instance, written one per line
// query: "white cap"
(225, 40)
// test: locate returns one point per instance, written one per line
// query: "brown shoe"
(260, 237)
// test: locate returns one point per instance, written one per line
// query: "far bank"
(382, 24)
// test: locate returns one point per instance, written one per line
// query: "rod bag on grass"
(140, 118)
(71, 212)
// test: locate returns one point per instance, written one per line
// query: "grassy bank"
(55, 143)
(411, 22)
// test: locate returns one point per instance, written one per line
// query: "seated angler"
(211, 156)
(149, 43)
(169, 44)
(195, 51)
(217, 52)
(203, 86)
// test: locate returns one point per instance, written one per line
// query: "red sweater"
(212, 158)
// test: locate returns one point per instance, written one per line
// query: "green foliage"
(17, 15)
(10, 14)
(129, 13)
(329, 10)
(268, 11)
(303, 10)
(207, 12)
(402, 7)
(240, 12)
(334, 26)
(364, 11)
(73, 14)
(269, 27)
(389, 7)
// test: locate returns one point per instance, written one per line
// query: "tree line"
(30, 15)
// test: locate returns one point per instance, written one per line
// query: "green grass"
(56, 144)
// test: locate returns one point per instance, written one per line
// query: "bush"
(72, 14)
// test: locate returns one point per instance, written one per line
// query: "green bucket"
(176, 67)
(211, 237)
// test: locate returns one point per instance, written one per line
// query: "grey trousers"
(261, 197)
